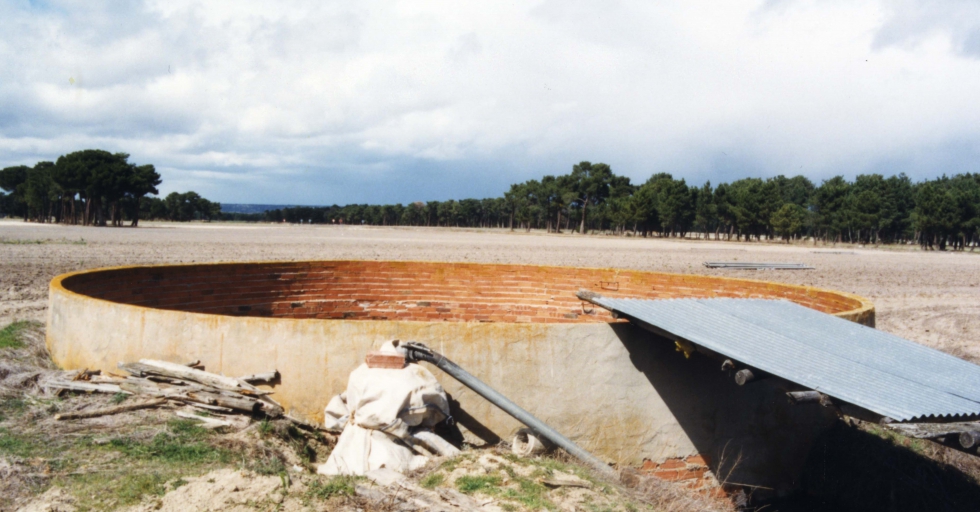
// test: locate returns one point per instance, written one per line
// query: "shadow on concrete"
(465, 419)
(750, 434)
(790, 457)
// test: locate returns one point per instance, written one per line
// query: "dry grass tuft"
(24, 359)
(666, 497)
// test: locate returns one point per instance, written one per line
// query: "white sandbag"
(336, 415)
(434, 443)
(382, 406)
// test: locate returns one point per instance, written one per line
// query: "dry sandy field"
(927, 296)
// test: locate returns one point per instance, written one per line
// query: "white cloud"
(372, 101)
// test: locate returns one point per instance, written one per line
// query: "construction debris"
(739, 265)
(167, 384)
(110, 410)
(527, 444)
(419, 352)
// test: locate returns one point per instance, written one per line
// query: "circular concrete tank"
(613, 388)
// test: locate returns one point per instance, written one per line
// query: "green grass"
(479, 483)
(341, 485)
(10, 335)
(916, 445)
(145, 467)
(432, 480)
(12, 407)
(183, 443)
(268, 466)
(526, 492)
(112, 489)
(18, 446)
(450, 464)
(125, 482)
(131, 465)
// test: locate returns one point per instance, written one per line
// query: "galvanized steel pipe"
(420, 352)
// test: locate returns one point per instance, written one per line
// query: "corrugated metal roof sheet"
(872, 369)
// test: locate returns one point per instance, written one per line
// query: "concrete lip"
(612, 388)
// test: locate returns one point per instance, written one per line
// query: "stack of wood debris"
(231, 402)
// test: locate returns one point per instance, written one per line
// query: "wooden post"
(804, 397)
(969, 439)
(109, 411)
(744, 376)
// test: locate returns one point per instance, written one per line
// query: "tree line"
(98, 188)
(871, 209)
(95, 187)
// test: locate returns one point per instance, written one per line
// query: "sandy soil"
(929, 297)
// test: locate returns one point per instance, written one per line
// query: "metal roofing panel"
(880, 372)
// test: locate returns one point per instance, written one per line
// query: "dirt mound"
(227, 490)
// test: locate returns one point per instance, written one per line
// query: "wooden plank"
(109, 410)
(806, 397)
(83, 386)
(261, 377)
(933, 430)
(241, 404)
(182, 372)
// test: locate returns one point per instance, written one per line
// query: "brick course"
(422, 291)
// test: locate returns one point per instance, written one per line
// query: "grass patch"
(145, 467)
(111, 490)
(18, 446)
(272, 465)
(520, 490)
(916, 445)
(10, 335)
(183, 443)
(12, 407)
(119, 398)
(529, 493)
(341, 485)
(487, 484)
(451, 464)
(132, 488)
(432, 480)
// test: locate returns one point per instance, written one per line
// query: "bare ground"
(929, 297)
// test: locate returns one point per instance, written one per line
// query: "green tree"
(934, 216)
(13, 180)
(788, 220)
(829, 206)
(591, 184)
(41, 193)
(143, 180)
(705, 209)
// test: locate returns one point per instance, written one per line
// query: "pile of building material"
(231, 401)
(739, 265)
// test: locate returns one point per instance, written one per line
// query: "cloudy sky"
(339, 102)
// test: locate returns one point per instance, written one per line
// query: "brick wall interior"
(384, 290)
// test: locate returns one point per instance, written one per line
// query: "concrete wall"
(613, 388)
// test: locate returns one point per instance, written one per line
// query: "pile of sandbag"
(386, 416)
